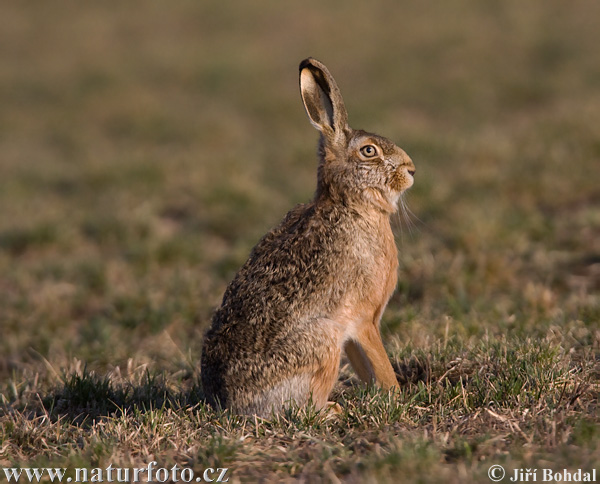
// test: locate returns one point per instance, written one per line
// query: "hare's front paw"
(333, 410)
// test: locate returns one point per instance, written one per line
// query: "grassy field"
(146, 147)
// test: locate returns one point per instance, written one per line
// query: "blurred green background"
(146, 146)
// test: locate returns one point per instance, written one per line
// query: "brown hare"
(317, 283)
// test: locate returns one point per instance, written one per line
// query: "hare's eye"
(368, 151)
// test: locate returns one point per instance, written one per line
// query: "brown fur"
(317, 283)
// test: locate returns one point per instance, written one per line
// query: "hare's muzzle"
(406, 174)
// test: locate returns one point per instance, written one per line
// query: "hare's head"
(356, 167)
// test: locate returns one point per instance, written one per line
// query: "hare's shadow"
(83, 398)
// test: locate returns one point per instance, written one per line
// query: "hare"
(317, 283)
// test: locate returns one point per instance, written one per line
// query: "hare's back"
(296, 272)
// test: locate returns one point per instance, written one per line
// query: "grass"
(145, 150)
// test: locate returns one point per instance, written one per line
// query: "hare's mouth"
(403, 179)
(410, 178)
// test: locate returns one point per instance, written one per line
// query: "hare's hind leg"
(325, 377)
(290, 391)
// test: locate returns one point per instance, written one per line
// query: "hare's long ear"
(322, 100)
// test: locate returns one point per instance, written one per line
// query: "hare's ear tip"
(308, 62)
(305, 63)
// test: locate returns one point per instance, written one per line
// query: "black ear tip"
(308, 62)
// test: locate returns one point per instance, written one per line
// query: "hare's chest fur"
(374, 281)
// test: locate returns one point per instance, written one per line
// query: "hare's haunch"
(317, 284)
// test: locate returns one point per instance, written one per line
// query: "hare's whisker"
(406, 215)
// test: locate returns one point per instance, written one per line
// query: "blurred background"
(145, 147)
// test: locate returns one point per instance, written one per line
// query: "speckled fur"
(317, 283)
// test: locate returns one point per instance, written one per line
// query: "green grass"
(143, 152)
